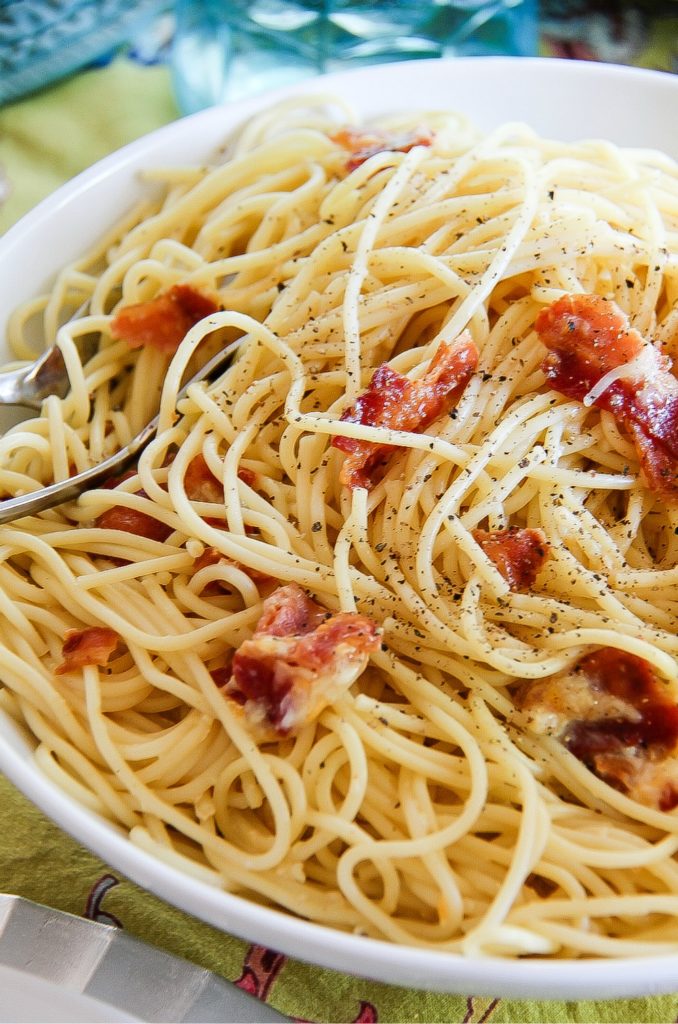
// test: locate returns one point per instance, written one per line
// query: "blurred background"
(79, 78)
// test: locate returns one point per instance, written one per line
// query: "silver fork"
(28, 386)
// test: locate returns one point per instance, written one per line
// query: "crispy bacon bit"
(517, 553)
(290, 612)
(130, 520)
(618, 717)
(162, 322)
(398, 403)
(222, 675)
(364, 143)
(200, 482)
(210, 556)
(115, 481)
(300, 659)
(91, 646)
(587, 338)
(202, 485)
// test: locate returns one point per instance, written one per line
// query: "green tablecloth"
(44, 140)
(38, 861)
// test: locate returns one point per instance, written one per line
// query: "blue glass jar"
(228, 49)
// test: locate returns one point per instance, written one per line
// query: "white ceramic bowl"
(561, 99)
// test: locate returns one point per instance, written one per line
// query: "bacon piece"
(91, 646)
(618, 717)
(398, 403)
(517, 553)
(248, 476)
(210, 556)
(300, 659)
(544, 887)
(202, 485)
(587, 337)
(221, 676)
(363, 143)
(164, 321)
(290, 612)
(200, 482)
(130, 520)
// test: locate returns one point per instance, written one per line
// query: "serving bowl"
(560, 99)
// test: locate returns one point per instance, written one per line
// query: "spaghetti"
(310, 649)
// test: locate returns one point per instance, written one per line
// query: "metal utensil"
(68, 490)
(29, 385)
(105, 963)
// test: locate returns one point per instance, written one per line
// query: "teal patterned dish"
(44, 40)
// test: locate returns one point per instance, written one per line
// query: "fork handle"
(68, 490)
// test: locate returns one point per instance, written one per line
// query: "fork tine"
(28, 385)
(68, 490)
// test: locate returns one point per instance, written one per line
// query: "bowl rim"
(410, 966)
(554, 68)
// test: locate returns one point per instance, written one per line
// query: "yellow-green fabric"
(44, 140)
(49, 137)
(38, 861)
